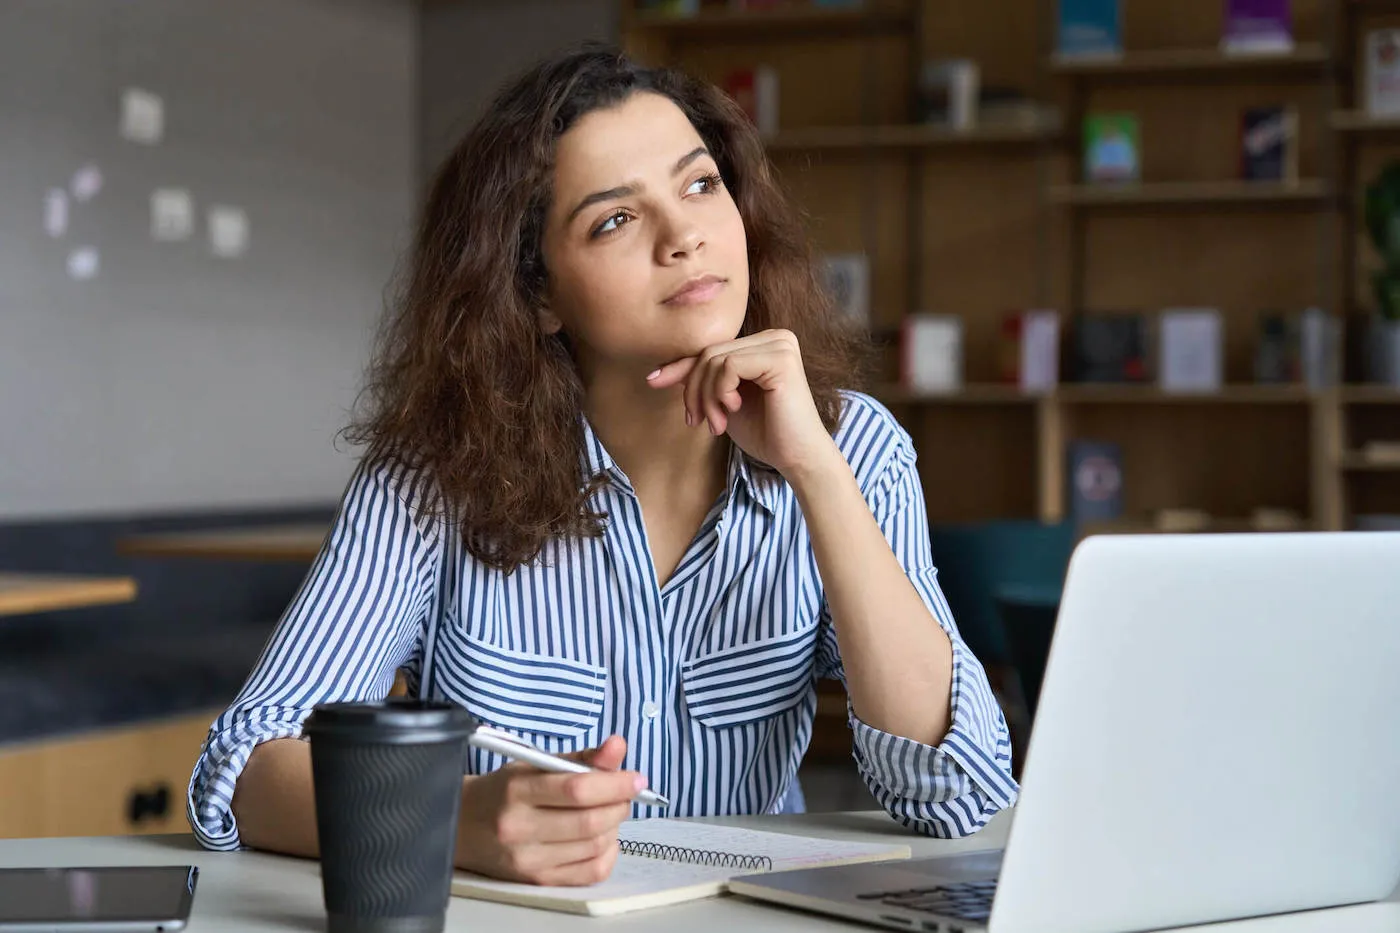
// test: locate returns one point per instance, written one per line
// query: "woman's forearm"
(274, 802)
(897, 658)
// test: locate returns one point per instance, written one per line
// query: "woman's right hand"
(523, 824)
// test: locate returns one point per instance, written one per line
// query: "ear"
(549, 322)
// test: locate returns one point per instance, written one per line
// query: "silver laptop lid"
(1218, 734)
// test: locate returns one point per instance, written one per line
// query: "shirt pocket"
(751, 681)
(531, 692)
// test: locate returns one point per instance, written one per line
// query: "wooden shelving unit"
(1362, 123)
(994, 219)
(1201, 193)
(908, 136)
(1306, 60)
(767, 24)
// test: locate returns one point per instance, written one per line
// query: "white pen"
(503, 743)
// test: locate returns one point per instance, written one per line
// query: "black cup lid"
(396, 719)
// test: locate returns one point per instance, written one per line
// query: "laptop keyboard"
(966, 900)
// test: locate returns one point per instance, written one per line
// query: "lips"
(696, 291)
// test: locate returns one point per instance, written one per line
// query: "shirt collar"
(761, 485)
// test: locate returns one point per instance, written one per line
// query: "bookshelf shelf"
(987, 393)
(1239, 394)
(910, 136)
(768, 24)
(1222, 525)
(1303, 61)
(1370, 395)
(1363, 123)
(1308, 192)
(1357, 461)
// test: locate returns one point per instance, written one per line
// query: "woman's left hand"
(755, 390)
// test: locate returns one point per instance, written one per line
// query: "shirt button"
(650, 710)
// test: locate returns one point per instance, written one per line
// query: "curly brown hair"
(466, 388)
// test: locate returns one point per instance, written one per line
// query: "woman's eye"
(705, 184)
(612, 223)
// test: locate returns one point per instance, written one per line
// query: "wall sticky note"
(172, 214)
(143, 116)
(56, 212)
(228, 231)
(83, 263)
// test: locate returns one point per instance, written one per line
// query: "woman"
(615, 499)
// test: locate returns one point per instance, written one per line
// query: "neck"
(644, 430)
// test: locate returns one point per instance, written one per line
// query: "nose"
(681, 238)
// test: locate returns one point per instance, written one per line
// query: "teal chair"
(1002, 580)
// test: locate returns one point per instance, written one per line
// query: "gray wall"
(175, 379)
(469, 49)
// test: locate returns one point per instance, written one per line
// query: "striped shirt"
(710, 678)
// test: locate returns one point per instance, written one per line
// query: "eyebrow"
(623, 191)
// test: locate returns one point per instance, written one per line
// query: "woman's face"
(643, 245)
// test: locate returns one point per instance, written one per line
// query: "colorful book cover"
(1111, 148)
(1383, 72)
(1095, 481)
(1191, 342)
(1269, 144)
(756, 91)
(1109, 346)
(1257, 26)
(1089, 27)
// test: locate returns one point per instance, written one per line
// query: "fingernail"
(640, 784)
(712, 428)
(688, 423)
(653, 374)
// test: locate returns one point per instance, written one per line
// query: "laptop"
(1216, 738)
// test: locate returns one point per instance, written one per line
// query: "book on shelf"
(1111, 148)
(1095, 481)
(1269, 143)
(1030, 350)
(755, 90)
(949, 92)
(1191, 347)
(846, 277)
(1257, 27)
(1382, 73)
(1298, 348)
(1109, 347)
(932, 357)
(1089, 28)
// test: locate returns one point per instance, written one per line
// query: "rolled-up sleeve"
(360, 614)
(953, 788)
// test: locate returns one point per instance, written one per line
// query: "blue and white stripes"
(711, 678)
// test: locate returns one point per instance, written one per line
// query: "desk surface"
(249, 892)
(24, 592)
(263, 542)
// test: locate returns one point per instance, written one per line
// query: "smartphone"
(115, 899)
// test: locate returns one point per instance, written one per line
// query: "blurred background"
(1134, 265)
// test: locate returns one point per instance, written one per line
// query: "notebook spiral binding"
(705, 857)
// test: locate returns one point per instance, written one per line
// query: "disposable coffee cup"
(388, 780)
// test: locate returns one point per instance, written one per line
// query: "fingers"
(607, 757)
(710, 381)
(581, 861)
(554, 865)
(594, 789)
(558, 824)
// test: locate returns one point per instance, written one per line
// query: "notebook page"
(786, 851)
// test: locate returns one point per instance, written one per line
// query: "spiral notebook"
(666, 861)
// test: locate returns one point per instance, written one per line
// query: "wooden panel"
(873, 84)
(1226, 459)
(84, 785)
(976, 462)
(982, 241)
(857, 204)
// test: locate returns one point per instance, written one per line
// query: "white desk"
(248, 892)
